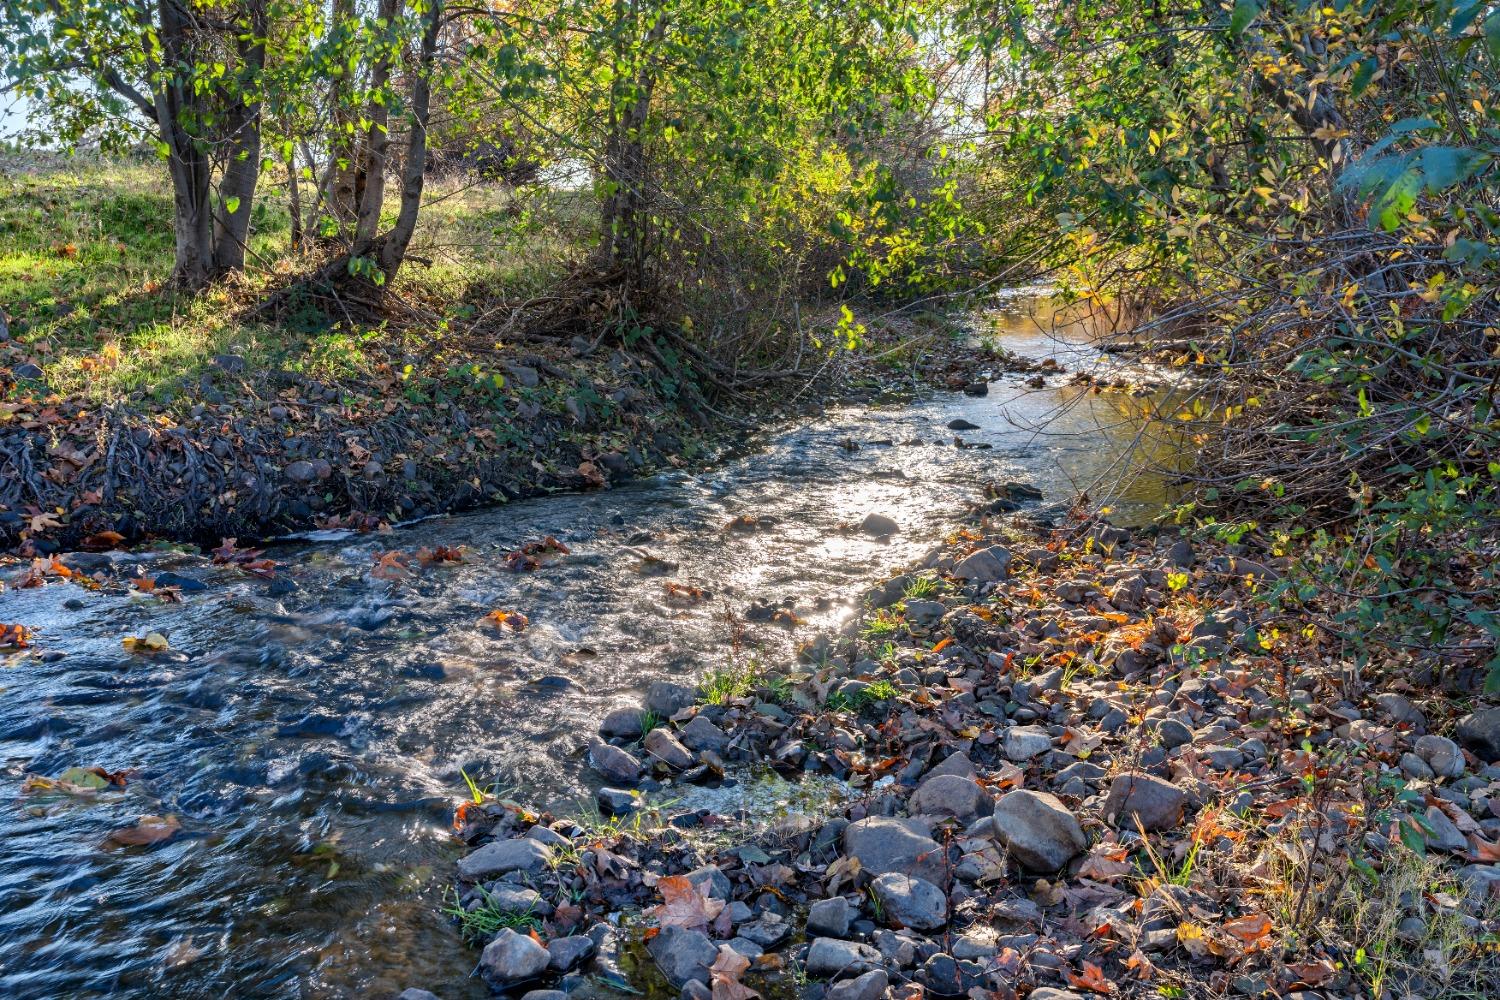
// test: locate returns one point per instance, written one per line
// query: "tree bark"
(378, 138)
(413, 174)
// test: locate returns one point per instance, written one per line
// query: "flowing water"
(311, 743)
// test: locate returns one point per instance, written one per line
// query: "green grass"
(86, 252)
(485, 921)
(921, 588)
(729, 683)
(882, 626)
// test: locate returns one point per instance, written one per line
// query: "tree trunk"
(377, 139)
(413, 174)
(346, 174)
(625, 162)
(237, 188)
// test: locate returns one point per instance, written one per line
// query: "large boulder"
(683, 955)
(910, 902)
(1135, 797)
(512, 958)
(1040, 832)
(501, 857)
(1480, 732)
(888, 844)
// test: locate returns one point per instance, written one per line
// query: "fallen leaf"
(725, 973)
(1250, 929)
(685, 905)
(1092, 978)
(150, 830)
(508, 621)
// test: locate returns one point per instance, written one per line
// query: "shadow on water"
(311, 741)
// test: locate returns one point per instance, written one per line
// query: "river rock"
(950, 795)
(300, 472)
(502, 856)
(662, 746)
(615, 764)
(1441, 754)
(1025, 742)
(878, 525)
(1399, 708)
(1040, 832)
(517, 900)
(890, 844)
(622, 723)
(615, 801)
(830, 958)
(682, 954)
(701, 734)
(829, 917)
(870, 986)
(512, 958)
(666, 699)
(1157, 804)
(1480, 732)
(1051, 993)
(960, 424)
(955, 763)
(1442, 833)
(568, 952)
(412, 993)
(911, 902)
(985, 566)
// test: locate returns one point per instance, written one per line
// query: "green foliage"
(483, 922)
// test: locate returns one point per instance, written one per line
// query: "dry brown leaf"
(1250, 929)
(1091, 978)
(725, 974)
(685, 905)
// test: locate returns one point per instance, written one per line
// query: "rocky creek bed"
(1073, 763)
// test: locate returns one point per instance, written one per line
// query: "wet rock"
(977, 389)
(1156, 804)
(569, 952)
(887, 844)
(622, 723)
(614, 801)
(950, 795)
(830, 958)
(910, 902)
(512, 958)
(682, 955)
(666, 699)
(614, 764)
(701, 734)
(829, 917)
(1025, 742)
(1040, 832)
(1480, 732)
(925, 612)
(878, 525)
(985, 566)
(662, 746)
(412, 993)
(1441, 754)
(502, 856)
(547, 837)
(870, 986)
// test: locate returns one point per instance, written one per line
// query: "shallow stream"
(311, 742)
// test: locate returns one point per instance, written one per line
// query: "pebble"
(831, 958)
(910, 902)
(829, 917)
(1137, 797)
(512, 958)
(1040, 832)
(501, 856)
